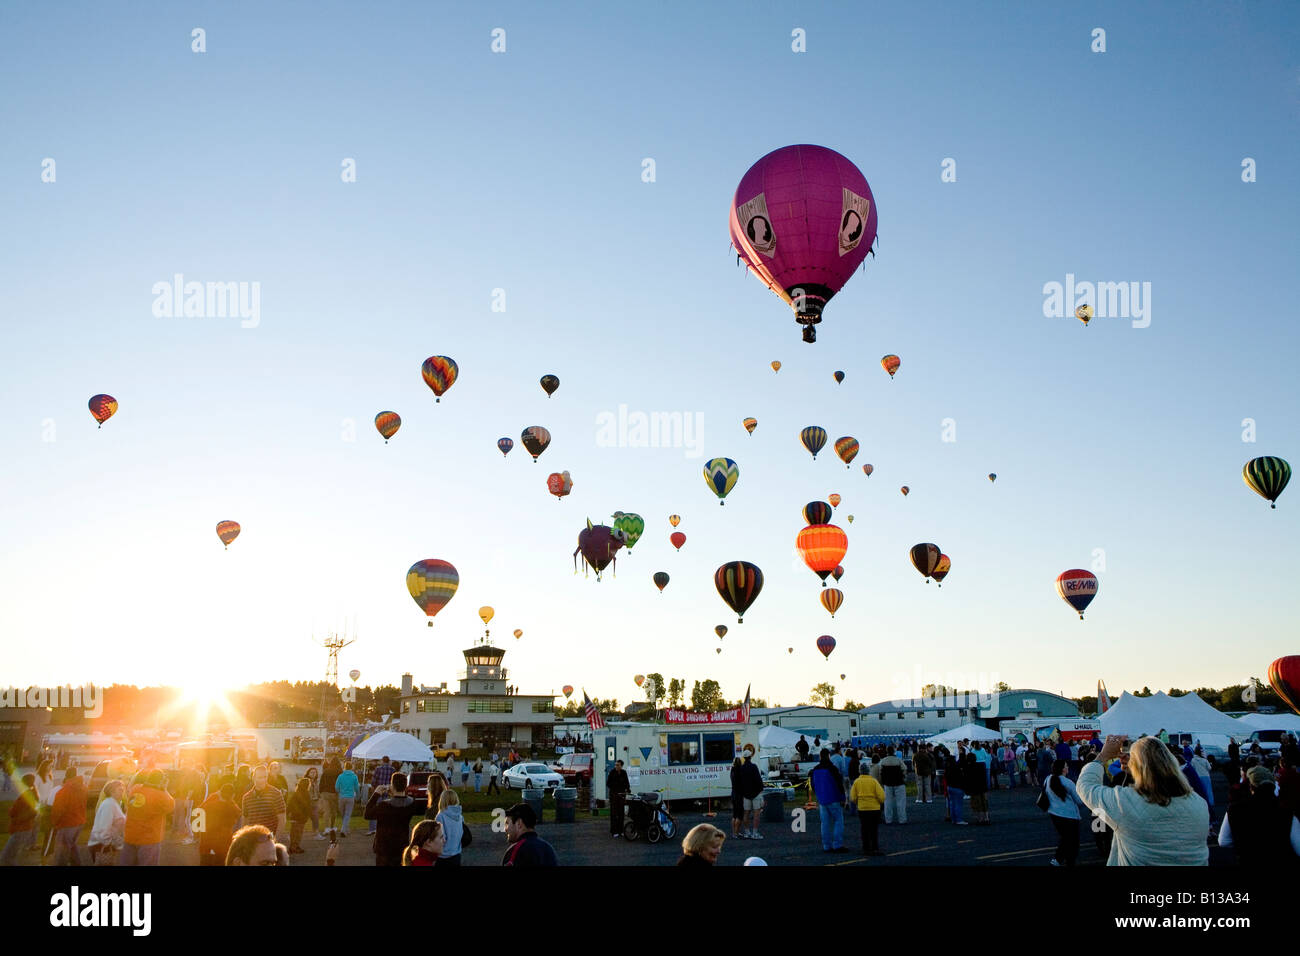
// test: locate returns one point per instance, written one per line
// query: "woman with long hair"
(427, 841)
(1159, 820)
(313, 777)
(1063, 805)
(109, 830)
(452, 821)
(437, 786)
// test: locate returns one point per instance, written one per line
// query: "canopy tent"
(397, 746)
(1271, 722)
(964, 732)
(778, 738)
(1134, 716)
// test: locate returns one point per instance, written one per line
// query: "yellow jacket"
(867, 793)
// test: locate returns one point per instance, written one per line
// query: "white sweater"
(1147, 834)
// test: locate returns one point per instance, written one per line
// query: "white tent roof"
(1272, 722)
(1132, 716)
(388, 743)
(964, 732)
(778, 738)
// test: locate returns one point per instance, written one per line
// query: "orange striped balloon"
(388, 423)
(227, 531)
(832, 598)
(822, 547)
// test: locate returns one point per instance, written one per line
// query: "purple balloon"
(598, 544)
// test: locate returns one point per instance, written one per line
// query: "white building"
(926, 716)
(809, 720)
(486, 712)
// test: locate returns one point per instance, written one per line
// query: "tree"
(852, 705)
(823, 695)
(1001, 687)
(676, 688)
(1144, 692)
(706, 696)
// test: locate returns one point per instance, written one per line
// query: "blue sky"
(521, 171)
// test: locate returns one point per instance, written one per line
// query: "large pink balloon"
(803, 218)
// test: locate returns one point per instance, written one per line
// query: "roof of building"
(943, 703)
(768, 711)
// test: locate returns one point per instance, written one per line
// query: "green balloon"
(632, 526)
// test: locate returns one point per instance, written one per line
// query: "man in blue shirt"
(828, 784)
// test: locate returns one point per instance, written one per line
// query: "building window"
(901, 715)
(881, 716)
(775, 723)
(491, 707)
(920, 714)
(719, 748)
(543, 706)
(406, 706)
(940, 713)
(437, 736)
(435, 706)
(683, 750)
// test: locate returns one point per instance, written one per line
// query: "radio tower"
(334, 643)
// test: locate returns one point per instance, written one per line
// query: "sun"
(202, 699)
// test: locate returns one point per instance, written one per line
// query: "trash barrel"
(534, 799)
(566, 804)
(774, 806)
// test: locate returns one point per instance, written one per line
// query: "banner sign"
(732, 716)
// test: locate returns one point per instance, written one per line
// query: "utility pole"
(334, 643)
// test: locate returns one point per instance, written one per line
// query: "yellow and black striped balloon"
(1267, 477)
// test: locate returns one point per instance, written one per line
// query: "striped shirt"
(263, 807)
(383, 775)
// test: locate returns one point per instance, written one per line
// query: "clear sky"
(522, 171)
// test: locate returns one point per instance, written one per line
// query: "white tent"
(1133, 716)
(389, 743)
(778, 738)
(1272, 722)
(964, 732)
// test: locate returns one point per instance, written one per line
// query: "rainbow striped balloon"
(432, 583)
(440, 374)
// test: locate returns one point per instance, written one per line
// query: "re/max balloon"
(440, 374)
(1077, 588)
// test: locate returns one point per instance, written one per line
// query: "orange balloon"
(822, 547)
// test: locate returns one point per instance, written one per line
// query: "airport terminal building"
(924, 716)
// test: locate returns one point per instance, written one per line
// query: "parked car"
(417, 784)
(529, 775)
(1270, 741)
(442, 753)
(575, 769)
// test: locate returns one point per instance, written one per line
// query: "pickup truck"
(576, 769)
(442, 753)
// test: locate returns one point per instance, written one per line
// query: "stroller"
(648, 815)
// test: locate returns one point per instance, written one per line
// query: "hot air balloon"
(834, 499)
(941, 569)
(640, 679)
(102, 408)
(717, 650)
(850, 519)
(839, 378)
(750, 424)
(440, 374)
(661, 580)
(568, 691)
(838, 572)
(776, 366)
(803, 219)
(904, 490)
(822, 547)
(597, 544)
(738, 583)
(1284, 677)
(789, 650)
(388, 423)
(925, 558)
(486, 613)
(817, 512)
(678, 539)
(549, 384)
(1084, 313)
(826, 644)
(674, 520)
(1077, 588)
(227, 531)
(721, 475)
(535, 439)
(1267, 477)
(867, 470)
(992, 477)
(842, 677)
(832, 598)
(518, 633)
(354, 674)
(632, 526)
(432, 584)
(721, 631)
(505, 444)
(559, 484)
(847, 449)
(890, 364)
(814, 439)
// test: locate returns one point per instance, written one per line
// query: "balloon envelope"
(535, 439)
(559, 483)
(1077, 588)
(817, 512)
(822, 547)
(776, 366)
(738, 584)
(505, 444)
(354, 674)
(813, 438)
(549, 384)
(750, 424)
(388, 423)
(661, 579)
(568, 691)
(941, 569)
(925, 558)
(1084, 313)
(721, 474)
(597, 544)
(890, 364)
(678, 539)
(227, 531)
(835, 500)
(992, 476)
(904, 490)
(1267, 477)
(640, 679)
(440, 374)
(826, 644)
(518, 633)
(1284, 676)
(838, 572)
(486, 613)
(832, 598)
(867, 470)
(721, 631)
(839, 377)
(847, 448)
(632, 526)
(674, 520)
(102, 407)
(432, 583)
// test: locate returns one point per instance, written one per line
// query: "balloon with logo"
(1084, 314)
(486, 613)
(904, 490)
(838, 572)
(640, 679)
(738, 584)
(440, 374)
(1284, 678)
(387, 424)
(890, 364)
(803, 219)
(776, 366)
(867, 470)
(826, 644)
(834, 500)
(632, 526)
(822, 547)
(505, 444)
(678, 539)
(1267, 477)
(814, 439)
(227, 531)
(549, 384)
(721, 474)
(1077, 588)
(661, 580)
(839, 378)
(102, 408)
(941, 569)
(674, 520)
(832, 598)
(598, 545)
(847, 449)
(925, 558)
(568, 691)
(721, 631)
(518, 633)
(559, 483)
(354, 674)
(817, 512)
(432, 583)
(535, 439)
(750, 424)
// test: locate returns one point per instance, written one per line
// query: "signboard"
(733, 716)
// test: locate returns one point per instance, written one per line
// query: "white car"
(532, 776)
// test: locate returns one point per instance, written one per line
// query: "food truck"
(689, 757)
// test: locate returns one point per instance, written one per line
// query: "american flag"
(744, 708)
(593, 715)
(1103, 698)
